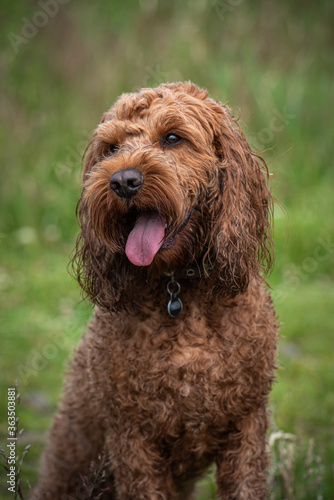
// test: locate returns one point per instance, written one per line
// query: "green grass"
(274, 63)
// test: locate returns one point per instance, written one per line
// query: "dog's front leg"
(139, 470)
(241, 466)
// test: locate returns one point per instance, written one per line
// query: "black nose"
(126, 183)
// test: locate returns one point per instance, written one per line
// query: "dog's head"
(170, 180)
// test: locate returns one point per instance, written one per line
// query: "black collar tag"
(174, 306)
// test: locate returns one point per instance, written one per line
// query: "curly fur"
(166, 397)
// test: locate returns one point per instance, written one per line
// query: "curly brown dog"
(176, 367)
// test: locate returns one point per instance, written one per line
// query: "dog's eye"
(113, 148)
(172, 139)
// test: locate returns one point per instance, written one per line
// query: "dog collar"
(175, 306)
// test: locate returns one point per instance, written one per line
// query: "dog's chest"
(174, 376)
(180, 385)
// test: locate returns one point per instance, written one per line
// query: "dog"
(175, 370)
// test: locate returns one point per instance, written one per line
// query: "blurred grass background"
(62, 65)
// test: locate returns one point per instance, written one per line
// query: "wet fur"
(166, 397)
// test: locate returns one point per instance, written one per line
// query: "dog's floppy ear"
(241, 243)
(92, 264)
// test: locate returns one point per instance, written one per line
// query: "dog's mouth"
(149, 235)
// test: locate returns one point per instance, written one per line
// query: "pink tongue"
(145, 239)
